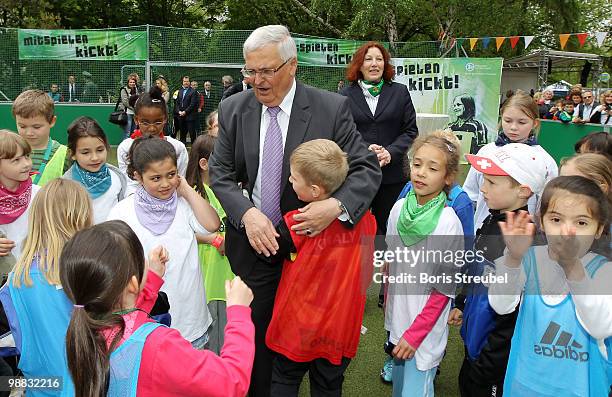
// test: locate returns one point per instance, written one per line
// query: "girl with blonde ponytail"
(35, 303)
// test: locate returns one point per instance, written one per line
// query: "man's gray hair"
(271, 34)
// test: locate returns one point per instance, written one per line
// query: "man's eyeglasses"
(587, 96)
(146, 124)
(264, 73)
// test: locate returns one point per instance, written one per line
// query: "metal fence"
(203, 54)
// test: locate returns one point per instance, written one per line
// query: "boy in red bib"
(321, 297)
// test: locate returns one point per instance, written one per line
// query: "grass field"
(362, 376)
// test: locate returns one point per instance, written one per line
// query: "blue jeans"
(128, 128)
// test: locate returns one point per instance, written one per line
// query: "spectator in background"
(602, 97)
(90, 89)
(227, 82)
(244, 85)
(547, 103)
(162, 83)
(128, 92)
(576, 97)
(340, 85)
(582, 114)
(194, 85)
(537, 97)
(54, 93)
(212, 123)
(568, 111)
(604, 110)
(72, 91)
(576, 87)
(186, 111)
(210, 99)
(555, 110)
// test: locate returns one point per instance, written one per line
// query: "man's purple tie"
(272, 169)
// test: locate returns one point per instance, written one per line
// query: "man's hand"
(403, 350)
(260, 231)
(316, 216)
(182, 113)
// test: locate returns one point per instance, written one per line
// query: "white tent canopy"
(542, 61)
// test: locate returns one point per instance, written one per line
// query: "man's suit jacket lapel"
(357, 94)
(385, 98)
(251, 121)
(298, 123)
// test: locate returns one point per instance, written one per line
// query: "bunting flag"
(582, 38)
(600, 36)
(513, 41)
(473, 41)
(499, 41)
(563, 39)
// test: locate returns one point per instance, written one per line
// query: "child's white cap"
(523, 163)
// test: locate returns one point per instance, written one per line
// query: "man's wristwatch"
(344, 215)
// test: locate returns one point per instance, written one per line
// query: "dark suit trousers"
(381, 206)
(325, 378)
(263, 279)
(187, 126)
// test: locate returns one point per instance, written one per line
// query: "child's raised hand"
(183, 187)
(6, 246)
(157, 260)
(518, 233)
(237, 293)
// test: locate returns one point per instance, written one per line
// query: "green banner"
(326, 52)
(82, 45)
(462, 93)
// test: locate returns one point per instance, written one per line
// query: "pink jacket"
(171, 367)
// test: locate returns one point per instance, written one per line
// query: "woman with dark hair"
(465, 110)
(386, 119)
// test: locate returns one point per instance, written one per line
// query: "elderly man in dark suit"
(258, 130)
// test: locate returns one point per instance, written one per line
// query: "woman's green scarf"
(373, 88)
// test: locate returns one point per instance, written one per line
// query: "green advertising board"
(462, 88)
(326, 52)
(82, 45)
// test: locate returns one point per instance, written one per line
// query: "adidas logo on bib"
(562, 348)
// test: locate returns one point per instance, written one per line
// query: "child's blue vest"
(552, 355)
(43, 312)
(125, 362)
